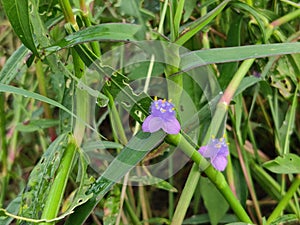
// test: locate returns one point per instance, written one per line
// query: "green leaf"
(119, 88)
(227, 70)
(91, 145)
(34, 125)
(134, 8)
(288, 124)
(214, 202)
(286, 219)
(240, 183)
(25, 93)
(245, 83)
(18, 15)
(136, 149)
(39, 183)
(231, 54)
(14, 66)
(102, 32)
(289, 163)
(189, 6)
(197, 25)
(259, 18)
(154, 182)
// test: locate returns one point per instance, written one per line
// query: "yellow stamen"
(155, 98)
(163, 101)
(218, 146)
(170, 100)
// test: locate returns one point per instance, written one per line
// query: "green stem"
(162, 17)
(82, 107)
(280, 21)
(56, 193)
(286, 18)
(68, 13)
(205, 39)
(4, 159)
(218, 120)
(86, 19)
(215, 176)
(247, 174)
(134, 219)
(187, 193)
(82, 98)
(249, 2)
(175, 83)
(116, 120)
(285, 200)
(171, 21)
(42, 89)
(270, 185)
(177, 17)
(171, 194)
(236, 80)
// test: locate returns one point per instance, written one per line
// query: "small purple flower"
(162, 116)
(217, 151)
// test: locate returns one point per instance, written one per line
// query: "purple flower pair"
(162, 116)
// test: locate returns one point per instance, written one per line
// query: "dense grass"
(76, 83)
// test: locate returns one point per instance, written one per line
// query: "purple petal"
(219, 162)
(171, 126)
(152, 124)
(206, 151)
(203, 151)
(223, 151)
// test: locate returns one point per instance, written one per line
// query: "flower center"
(163, 109)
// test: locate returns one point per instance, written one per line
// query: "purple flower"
(162, 116)
(216, 150)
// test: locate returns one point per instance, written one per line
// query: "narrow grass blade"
(231, 54)
(14, 65)
(102, 32)
(196, 26)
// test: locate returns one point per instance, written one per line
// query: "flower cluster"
(162, 116)
(217, 151)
